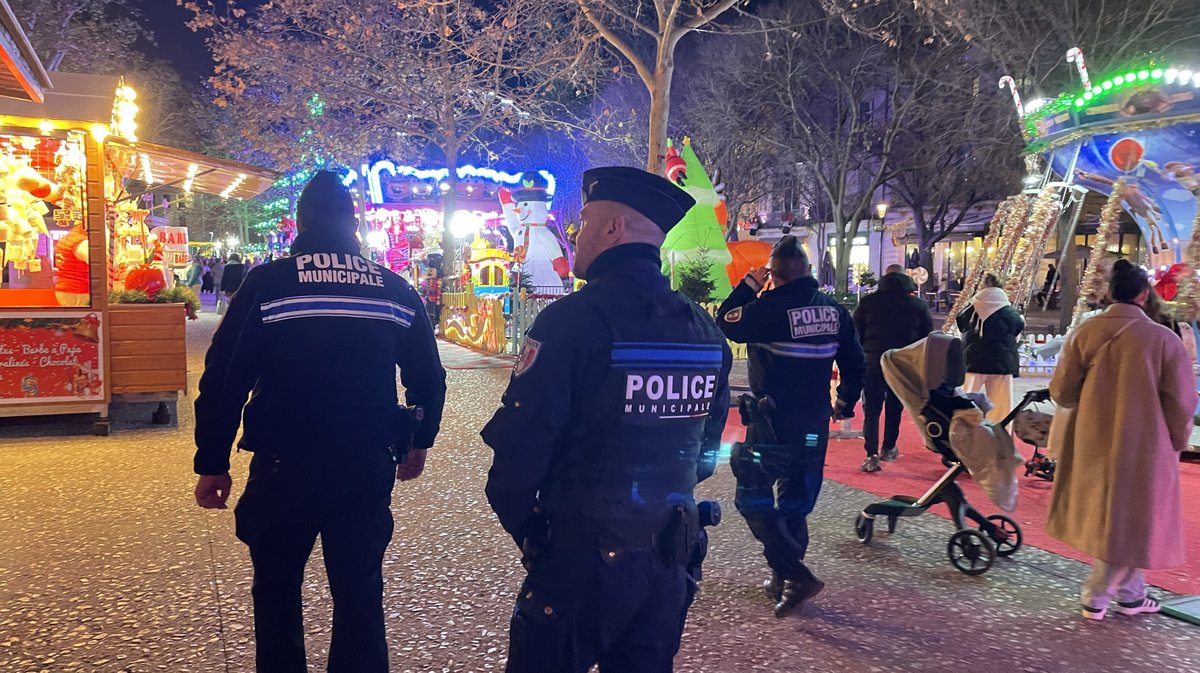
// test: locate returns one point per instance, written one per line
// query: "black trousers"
(579, 608)
(286, 505)
(877, 397)
(778, 486)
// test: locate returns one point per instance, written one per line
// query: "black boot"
(774, 587)
(795, 593)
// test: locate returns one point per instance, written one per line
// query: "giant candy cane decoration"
(1075, 55)
(1011, 83)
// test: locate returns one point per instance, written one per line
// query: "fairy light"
(191, 177)
(147, 170)
(1093, 93)
(124, 114)
(233, 185)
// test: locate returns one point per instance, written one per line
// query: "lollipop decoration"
(1075, 55)
(1011, 83)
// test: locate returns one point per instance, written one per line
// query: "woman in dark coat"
(991, 328)
(232, 278)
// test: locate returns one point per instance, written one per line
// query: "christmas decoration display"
(489, 268)
(746, 255)
(1095, 283)
(1188, 295)
(699, 236)
(1042, 218)
(526, 215)
(976, 272)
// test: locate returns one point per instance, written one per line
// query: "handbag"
(222, 304)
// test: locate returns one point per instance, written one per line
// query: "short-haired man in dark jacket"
(795, 333)
(891, 317)
(317, 336)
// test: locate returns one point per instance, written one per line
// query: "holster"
(677, 541)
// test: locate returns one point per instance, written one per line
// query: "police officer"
(614, 412)
(795, 333)
(317, 337)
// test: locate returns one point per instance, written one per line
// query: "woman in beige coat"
(1116, 490)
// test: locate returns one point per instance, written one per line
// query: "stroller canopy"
(913, 371)
(985, 449)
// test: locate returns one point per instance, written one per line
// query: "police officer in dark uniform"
(613, 414)
(795, 333)
(317, 337)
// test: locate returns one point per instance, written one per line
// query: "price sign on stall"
(175, 245)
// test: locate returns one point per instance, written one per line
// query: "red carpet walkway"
(918, 468)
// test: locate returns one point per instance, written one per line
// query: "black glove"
(535, 540)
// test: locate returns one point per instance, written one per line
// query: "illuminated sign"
(375, 191)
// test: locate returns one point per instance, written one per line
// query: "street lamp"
(881, 211)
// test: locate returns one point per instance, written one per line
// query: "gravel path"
(107, 565)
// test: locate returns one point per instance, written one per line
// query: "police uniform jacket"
(314, 339)
(614, 411)
(795, 334)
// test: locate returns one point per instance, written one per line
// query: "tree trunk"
(660, 113)
(450, 267)
(845, 244)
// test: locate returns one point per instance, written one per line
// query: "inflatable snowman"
(526, 211)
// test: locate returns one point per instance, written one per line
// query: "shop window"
(43, 231)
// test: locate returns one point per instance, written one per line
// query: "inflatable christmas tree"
(699, 236)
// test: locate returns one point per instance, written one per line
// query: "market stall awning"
(162, 166)
(86, 99)
(21, 73)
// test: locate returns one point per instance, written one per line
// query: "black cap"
(533, 187)
(325, 203)
(652, 195)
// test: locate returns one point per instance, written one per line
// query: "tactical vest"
(633, 457)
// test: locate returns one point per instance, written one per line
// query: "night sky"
(176, 42)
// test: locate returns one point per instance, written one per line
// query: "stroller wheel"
(1008, 537)
(864, 528)
(971, 552)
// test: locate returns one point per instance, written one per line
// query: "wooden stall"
(74, 244)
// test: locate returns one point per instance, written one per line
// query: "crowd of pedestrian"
(614, 413)
(220, 276)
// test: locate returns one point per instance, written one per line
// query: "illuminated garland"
(1110, 225)
(1046, 209)
(1188, 295)
(1011, 236)
(975, 273)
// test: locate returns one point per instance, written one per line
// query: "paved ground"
(107, 565)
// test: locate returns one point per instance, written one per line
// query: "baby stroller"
(1032, 425)
(925, 376)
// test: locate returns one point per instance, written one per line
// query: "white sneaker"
(1094, 614)
(1145, 606)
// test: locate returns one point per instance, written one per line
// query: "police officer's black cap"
(652, 195)
(325, 203)
(789, 247)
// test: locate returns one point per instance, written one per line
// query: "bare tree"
(80, 35)
(348, 78)
(956, 152)
(829, 99)
(647, 39)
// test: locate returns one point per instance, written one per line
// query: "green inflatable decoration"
(699, 233)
